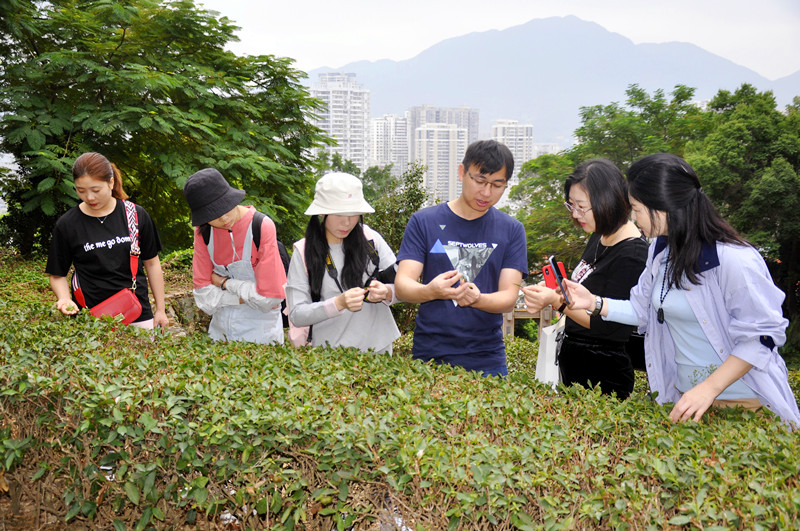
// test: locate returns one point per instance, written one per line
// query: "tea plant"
(111, 426)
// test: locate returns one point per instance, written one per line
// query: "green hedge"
(196, 431)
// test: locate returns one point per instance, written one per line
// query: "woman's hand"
(580, 298)
(66, 306)
(539, 296)
(160, 319)
(699, 398)
(217, 280)
(352, 299)
(693, 403)
(378, 291)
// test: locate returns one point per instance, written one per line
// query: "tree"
(150, 85)
(392, 212)
(647, 124)
(378, 182)
(538, 201)
(749, 166)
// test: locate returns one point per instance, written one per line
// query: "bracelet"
(222, 284)
(561, 308)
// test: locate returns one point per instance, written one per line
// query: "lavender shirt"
(739, 309)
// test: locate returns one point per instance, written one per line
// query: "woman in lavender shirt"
(706, 301)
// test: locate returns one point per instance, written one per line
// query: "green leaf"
(46, 184)
(145, 519)
(132, 491)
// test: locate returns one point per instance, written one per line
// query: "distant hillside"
(543, 71)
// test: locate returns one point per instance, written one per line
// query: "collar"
(708, 258)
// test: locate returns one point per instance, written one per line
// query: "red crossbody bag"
(124, 302)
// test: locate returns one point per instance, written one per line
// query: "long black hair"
(608, 194)
(668, 183)
(356, 256)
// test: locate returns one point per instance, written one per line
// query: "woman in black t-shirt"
(93, 236)
(593, 350)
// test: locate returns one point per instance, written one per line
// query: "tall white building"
(389, 142)
(546, 149)
(440, 147)
(345, 115)
(462, 117)
(519, 139)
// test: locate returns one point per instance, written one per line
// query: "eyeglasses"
(572, 208)
(483, 181)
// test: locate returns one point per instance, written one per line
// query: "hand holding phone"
(554, 273)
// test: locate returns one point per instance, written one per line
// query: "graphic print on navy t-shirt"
(466, 258)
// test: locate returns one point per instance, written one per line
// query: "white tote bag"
(549, 344)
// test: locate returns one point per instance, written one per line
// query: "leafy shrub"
(107, 426)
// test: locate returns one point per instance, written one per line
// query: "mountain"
(543, 71)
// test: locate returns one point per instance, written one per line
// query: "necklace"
(102, 220)
(597, 248)
(660, 313)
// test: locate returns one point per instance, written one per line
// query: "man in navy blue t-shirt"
(463, 261)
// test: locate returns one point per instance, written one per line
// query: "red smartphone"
(553, 276)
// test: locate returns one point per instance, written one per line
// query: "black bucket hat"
(210, 196)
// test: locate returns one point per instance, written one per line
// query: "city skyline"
(761, 36)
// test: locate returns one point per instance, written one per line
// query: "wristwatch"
(598, 305)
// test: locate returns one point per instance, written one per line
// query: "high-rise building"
(462, 117)
(389, 142)
(344, 116)
(519, 139)
(546, 149)
(440, 147)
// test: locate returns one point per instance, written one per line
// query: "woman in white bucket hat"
(341, 277)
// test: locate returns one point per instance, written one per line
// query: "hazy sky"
(761, 35)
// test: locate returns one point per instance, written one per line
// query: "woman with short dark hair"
(593, 351)
(706, 300)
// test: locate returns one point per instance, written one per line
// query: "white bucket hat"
(340, 194)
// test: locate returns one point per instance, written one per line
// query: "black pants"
(590, 362)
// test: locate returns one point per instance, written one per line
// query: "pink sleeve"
(201, 262)
(270, 274)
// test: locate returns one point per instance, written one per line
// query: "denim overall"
(241, 322)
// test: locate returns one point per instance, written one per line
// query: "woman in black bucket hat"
(237, 271)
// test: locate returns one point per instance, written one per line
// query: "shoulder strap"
(372, 251)
(258, 217)
(332, 272)
(133, 230)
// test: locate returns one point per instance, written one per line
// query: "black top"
(101, 253)
(609, 272)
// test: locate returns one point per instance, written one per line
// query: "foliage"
(378, 182)
(647, 124)
(109, 428)
(105, 426)
(393, 209)
(749, 165)
(539, 199)
(150, 85)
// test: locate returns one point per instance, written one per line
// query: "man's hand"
(447, 286)
(470, 296)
